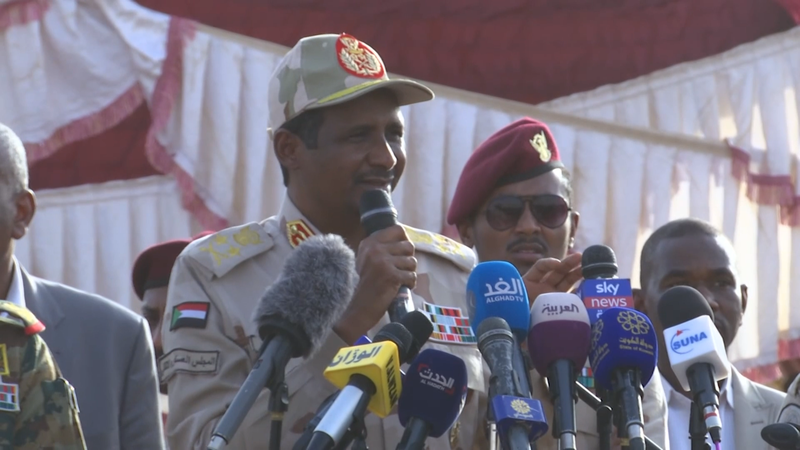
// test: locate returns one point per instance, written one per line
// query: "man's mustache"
(529, 240)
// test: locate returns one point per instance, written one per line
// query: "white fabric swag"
(637, 162)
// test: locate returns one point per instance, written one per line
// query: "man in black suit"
(103, 349)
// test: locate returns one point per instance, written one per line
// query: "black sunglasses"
(503, 213)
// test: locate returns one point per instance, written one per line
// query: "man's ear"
(24, 209)
(638, 300)
(743, 289)
(575, 217)
(288, 149)
(465, 232)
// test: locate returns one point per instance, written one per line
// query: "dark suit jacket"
(105, 351)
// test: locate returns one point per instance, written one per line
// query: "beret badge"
(539, 143)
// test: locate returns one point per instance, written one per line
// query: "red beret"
(523, 150)
(153, 266)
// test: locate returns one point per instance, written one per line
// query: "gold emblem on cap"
(358, 59)
(539, 143)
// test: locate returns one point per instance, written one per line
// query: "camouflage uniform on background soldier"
(38, 409)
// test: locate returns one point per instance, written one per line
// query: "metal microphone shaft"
(595, 403)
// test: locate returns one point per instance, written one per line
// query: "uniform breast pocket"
(446, 307)
(61, 405)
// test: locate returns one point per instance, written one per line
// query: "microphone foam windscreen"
(681, 304)
(598, 261)
(559, 330)
(622, 338)
(310, 294)
(495, 289)
(434, 390)
(398, 334)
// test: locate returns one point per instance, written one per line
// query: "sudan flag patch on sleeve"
(189, 315)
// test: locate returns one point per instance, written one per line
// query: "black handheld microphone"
(377, 213)
(294, 317)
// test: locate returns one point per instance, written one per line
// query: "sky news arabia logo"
(503, 291)
(683, 343)
(603, 294)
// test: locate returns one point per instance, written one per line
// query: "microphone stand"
(595, 403)
(697, 429)
(278, 404)
(357, 434)
(605, 420)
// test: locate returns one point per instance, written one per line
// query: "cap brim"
(408, 92)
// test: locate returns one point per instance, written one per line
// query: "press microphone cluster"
(696, 353)
(500, 317)
(293, 319)
(369, 378)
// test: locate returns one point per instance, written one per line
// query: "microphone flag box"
(602, 294)
(695, 341)
(528, 412)
(622, 337)
(379, 362)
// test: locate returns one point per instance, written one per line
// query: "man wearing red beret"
(514, 203)
(151, 272)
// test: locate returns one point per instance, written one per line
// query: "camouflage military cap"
(330, 69)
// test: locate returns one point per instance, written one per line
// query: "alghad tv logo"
(682, 342)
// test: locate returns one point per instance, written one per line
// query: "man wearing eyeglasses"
(514, 203)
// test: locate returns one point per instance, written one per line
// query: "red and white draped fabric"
(70, 70)
(638, 160)
(748, 97)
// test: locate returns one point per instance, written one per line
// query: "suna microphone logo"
(682, 342)
(503, 291)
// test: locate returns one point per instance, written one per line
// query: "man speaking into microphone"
(337, 132)
(514, 203)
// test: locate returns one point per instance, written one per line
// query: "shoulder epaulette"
(224, 250)
(21, 317)
(442, 246)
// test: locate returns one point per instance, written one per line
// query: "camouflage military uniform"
(38, 409)
(212, 341)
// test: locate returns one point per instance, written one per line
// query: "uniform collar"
(295, 226)
(16, 292)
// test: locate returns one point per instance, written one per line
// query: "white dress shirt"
(16, 294)
(679, 408)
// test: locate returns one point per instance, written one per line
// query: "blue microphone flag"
(495, 289)
(622, 337)
(434, 390)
